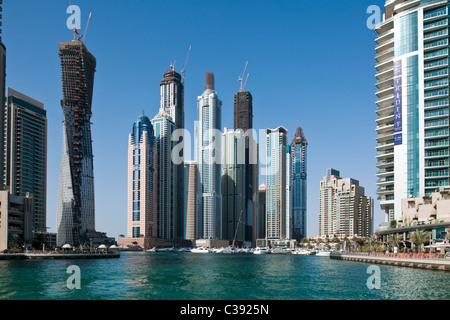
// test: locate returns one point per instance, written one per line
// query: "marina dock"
(442, 264)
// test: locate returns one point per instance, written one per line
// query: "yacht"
(259, 250)
(200, 250)
(230, 249)
(323, 253)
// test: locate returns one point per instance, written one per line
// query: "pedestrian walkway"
(406, 260)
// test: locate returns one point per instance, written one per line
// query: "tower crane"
(183, 71)
(241, 79)
(87, 25)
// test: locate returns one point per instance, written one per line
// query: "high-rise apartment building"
(412, 65)
(2, 93)
(167, 176)
(276, 184)
(172, 102)
(142, 180)
(190, 198)
(208, 144)
(260, 225)
(243, 120)
(299, 183)
(25, 153)
(233, 185)
(76, 207)
(344, 210)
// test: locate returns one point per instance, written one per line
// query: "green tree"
(360, 242)
(395, 239)
(419, 238)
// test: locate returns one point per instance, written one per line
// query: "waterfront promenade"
(422, 261)
(58, 255)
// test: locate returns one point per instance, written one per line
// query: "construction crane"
(241, 79)
(87, 25)
(183, 71)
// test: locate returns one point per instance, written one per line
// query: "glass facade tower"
(142, 183)
(208, 146)
(76, 208)
(25, 153)
(299, 182)
(276, 184)
(412, 65)
(167, 199)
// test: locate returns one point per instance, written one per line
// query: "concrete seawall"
(430, 264)
(52, 256)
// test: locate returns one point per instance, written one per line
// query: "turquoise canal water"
(190, 276)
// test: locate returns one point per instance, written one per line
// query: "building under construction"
(76, 211)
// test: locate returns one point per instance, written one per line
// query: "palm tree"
(419, 238)
(360, 242)
(395, 239)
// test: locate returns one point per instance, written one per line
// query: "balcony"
(384, 119)
(385, 182)
(385, 91)
(385, 128)
(388, 44)
(388, 100)
(383, 146)
(385, 154)
(384, 164)
(385, 172)
(385, 74)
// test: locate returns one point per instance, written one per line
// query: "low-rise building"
(15, 220)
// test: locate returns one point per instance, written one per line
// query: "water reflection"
(144, 275)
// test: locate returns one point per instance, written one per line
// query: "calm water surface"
(188, 276)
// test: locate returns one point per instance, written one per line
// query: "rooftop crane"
(183, 71)
(87, 25)
(241, 79)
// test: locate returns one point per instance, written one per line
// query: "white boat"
(322, 253)
(279, 251)
(302, 252)
(200, 250)
(259, 250)
(151, 250)
(230, 249)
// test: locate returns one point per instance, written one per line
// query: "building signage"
(397, 102)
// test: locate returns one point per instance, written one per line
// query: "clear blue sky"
(311, 63)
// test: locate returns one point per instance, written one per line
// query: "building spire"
(209, 81)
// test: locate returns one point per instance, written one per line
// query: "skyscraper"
(142, 181)
(412, 58)
(243, 120)
(172, 102)
(299, 182)
(190, 197)
(2, 96)
(344, 209)
(276, 201)
(167, 199)
(25, 153)
(76, 208)
(233, 186)
(208, 140)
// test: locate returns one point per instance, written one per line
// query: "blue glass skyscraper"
(142, 184)
(209, 138)
(299, 181)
